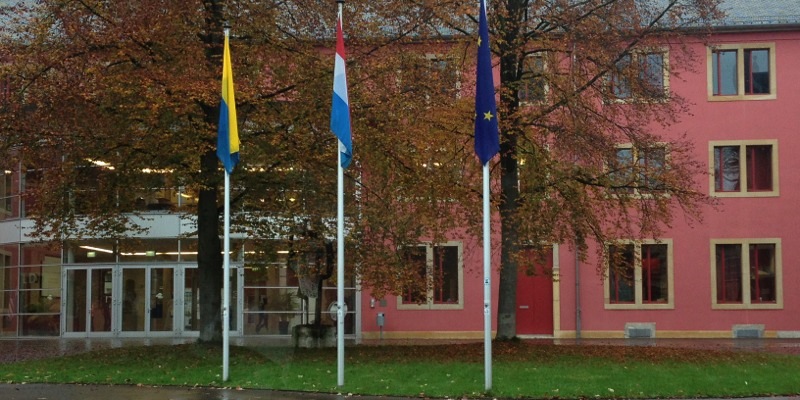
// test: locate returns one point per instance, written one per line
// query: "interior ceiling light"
(97, 249)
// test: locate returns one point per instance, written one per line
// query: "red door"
(535, 295)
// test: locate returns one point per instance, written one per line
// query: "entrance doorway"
(535, 293)
(130, 300)
(89, 300)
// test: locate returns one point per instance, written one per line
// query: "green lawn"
(520, 369)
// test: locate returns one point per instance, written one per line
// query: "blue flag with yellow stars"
(487, 141)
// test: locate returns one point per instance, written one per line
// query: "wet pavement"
(19, 349)
(102, 392)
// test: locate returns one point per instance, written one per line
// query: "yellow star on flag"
(488, 115)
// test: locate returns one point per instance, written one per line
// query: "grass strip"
(520, 370)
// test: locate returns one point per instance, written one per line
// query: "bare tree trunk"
(509, 180)
(209, 256)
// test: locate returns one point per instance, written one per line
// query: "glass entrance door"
(161, 299)
(75, 307)
(130, 300)
(148, 299)
(100, 295)
(89, 301)
(133, 299)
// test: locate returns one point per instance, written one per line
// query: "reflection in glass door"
(191, 294)
(101, 300)
(75, 316)
(161, 299)
(133, 299)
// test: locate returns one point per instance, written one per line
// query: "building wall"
(691, 313)
(733, 218)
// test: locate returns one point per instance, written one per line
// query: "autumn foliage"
(135, 86)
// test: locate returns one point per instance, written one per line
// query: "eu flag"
(228, 133)
(487, 141)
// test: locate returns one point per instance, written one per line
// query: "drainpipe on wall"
(577, 295)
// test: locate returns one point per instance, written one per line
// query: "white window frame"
(745, 257)
(638, 191)
(743, 172)
(636, 96)
(638, 303)
(740, 48)
(525, 82)
(429, 303)
(433, 58)
(6, 192)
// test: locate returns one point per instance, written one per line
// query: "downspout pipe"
(577, 295)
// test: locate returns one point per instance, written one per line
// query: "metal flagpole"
(340, 257)
(226, 282)
(486, 146)
(487, 278)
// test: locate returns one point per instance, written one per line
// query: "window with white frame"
(741, 72)
(638, 171)
(445, 74)
(640, 76)
(744, 168)
(746, 273)
(6, 192)
(441, 268)
(639, 275)
(533, 83)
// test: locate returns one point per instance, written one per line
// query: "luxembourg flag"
(228, 133)
(340, 110)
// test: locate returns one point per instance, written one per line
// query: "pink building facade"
(731, 275)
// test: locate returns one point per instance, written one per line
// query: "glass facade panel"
(191, 296)
(161, 299)
(655, 277)
(620, 274)
(148, 250)
(76, 301)
(756, 71)
(445, 275)
(759, 168)
(110, 297)
(92, 251)
(133, 299)
(724, 72)
(534, 85)
(9, 290)
(762, 273)
(101, 300)
(9, 194)
(729, 273)
(726, 168)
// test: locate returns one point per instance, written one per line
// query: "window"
(6, 192)
(5, 91)
(440, 266)
(755, 162)
(741, 72)
(533, 85)
(641, 75)
(746, 273)
(445, 76)
(637, 170)
(639, 275)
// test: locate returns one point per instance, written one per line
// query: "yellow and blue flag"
(487, 140)
(228, 133)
